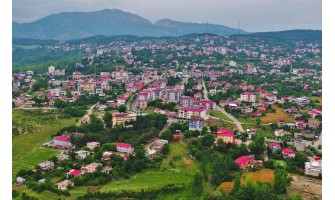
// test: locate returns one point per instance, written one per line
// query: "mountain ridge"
(109, 22)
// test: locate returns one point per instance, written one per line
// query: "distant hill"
(109, 22)
(296, 35)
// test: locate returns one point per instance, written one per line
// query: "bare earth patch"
(308, 188)
(187, 161)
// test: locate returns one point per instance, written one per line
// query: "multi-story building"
(195, 123)
(141, 104)
(173, 95)
(248, 97)
(121, 100)
(51, 69)
(226, 135)
(208, 104)
(186, 101)
(122, 118)
(314, 167)
(188, 112)
(302, 101)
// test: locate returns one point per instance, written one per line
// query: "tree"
(108, 119)
(122, 108)
(246, 191)
(60, 103)
(139, 151)
(166, 149)
(208, 139)
(280, 181)
(197, 184)
(258, 146)
(166, 135)
(237, 184)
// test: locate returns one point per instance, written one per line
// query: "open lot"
(273, 117)
(263, 175)
(177, 168)
(27, 150)
(218, 114)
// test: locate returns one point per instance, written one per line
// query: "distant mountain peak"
(108, 22)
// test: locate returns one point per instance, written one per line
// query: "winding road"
(238, 124)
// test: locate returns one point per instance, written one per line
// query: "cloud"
(255, 15)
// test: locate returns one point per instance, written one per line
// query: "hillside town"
(246, 103)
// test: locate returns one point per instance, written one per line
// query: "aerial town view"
(109, 105)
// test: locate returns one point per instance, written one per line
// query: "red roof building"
(288, 153)
(244, 161)
(226, 135)
(75, 172)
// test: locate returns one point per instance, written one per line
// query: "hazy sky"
(254, 15)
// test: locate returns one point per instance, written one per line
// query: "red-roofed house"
(292, 110)
(60, 142)
(301, 124)
(288, 153)
(315, 112)
(74, 172)
(247, 161)
(274, 146)
(124, 147)
(256, 114)
(226, 135)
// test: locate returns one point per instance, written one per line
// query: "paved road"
(86, 117)
(238, 124)
(169, 121)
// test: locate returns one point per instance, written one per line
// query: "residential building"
(60, 142)
(226, 135)
(274, 146)
(245, 162)
(124, 147)
(196, 123)
(187, 112)
(63, 185)
(248, 97)
(51, 69)
(186, 101)
(173, 95)
(82, 154)
(122, 118)
(208, 104)
(92, 145)
(47, 165)
(91, 168)
(288, 153)
(314, 167)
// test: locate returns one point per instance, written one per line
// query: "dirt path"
(86, 117)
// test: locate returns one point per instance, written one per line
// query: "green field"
(219, 114)
(27, 150)
(177, 168)
(264, 130)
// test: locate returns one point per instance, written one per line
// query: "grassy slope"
(27, 150)
(263, 175)
(175, 173)
(219, 114)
